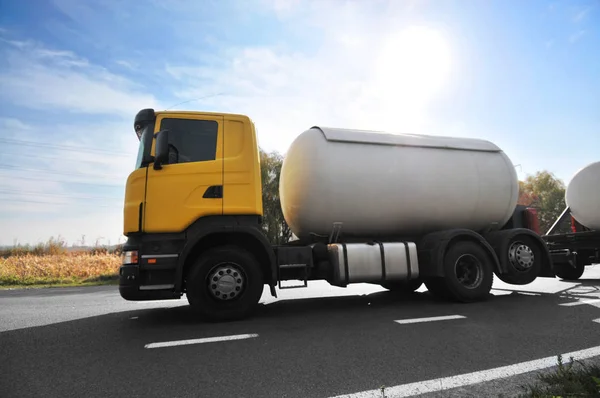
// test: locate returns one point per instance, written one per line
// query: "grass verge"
(574, 379)
(51, 282)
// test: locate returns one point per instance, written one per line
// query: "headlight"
(130, 257)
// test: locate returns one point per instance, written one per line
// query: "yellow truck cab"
(397, 210)
(195, 191)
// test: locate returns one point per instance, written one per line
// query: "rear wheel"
(468, 273)
(524, 259)
(568, 272)
(225, 283)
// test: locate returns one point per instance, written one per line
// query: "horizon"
(521, 75)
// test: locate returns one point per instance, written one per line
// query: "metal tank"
(381, 185)
(583, 196)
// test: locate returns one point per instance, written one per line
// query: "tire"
(234, 274)
(523, 258)
(568, 272)
(468, 273)
(403, 287)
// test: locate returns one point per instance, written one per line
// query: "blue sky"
(525, 75)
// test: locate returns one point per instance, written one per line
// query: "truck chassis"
(222, 266)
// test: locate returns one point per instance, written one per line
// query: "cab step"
(284, 267)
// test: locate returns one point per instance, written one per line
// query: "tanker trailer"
(397, 210)
(578, 247)
(382, 185)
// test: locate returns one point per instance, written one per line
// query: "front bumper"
(133, 288)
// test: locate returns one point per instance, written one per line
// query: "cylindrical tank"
(583, 196)
(381, 185)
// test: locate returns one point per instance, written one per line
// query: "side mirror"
(162, 149)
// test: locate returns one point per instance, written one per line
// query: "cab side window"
(191, 140)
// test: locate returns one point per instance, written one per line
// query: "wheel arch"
(434, 246)
(248, 239)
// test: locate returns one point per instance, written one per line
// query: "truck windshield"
(142, 148)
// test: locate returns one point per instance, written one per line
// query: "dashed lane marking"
(200, 341)
(430, 319)
(446, 383)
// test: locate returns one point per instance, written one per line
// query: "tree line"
(542, 191)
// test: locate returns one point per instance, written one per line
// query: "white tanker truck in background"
(579, 246)
(397, 210)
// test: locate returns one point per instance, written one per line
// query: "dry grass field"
(52, 263)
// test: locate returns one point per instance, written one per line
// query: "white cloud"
(581, 14)
(41, 78)
(42, 190)
(282, 7)
(12, 127)
(125, 64)
(49, 175)
(576, 36)
(15, 191)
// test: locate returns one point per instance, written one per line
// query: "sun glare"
(413, 65)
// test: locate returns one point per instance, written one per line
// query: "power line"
(68, 182)
(30, 156)
(17, 192)
(195, 99)
(71, 148)
(13, 167)
(57, 204)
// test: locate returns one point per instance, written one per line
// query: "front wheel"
(225, 283)
(468, 273)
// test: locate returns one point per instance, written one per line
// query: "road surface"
(316, 342)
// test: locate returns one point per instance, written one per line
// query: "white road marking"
(430, 319)
(200, 341)
(596, 320)
(446, 383)
(580, 302)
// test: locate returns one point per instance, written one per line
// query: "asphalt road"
(317, 342)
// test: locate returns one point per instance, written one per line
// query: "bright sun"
(412, 65)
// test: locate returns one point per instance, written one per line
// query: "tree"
(526, 198)
(274, 225)
(546, 193)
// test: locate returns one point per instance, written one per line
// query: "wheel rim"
(226, 281)
(468, 271)
(521, 256)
